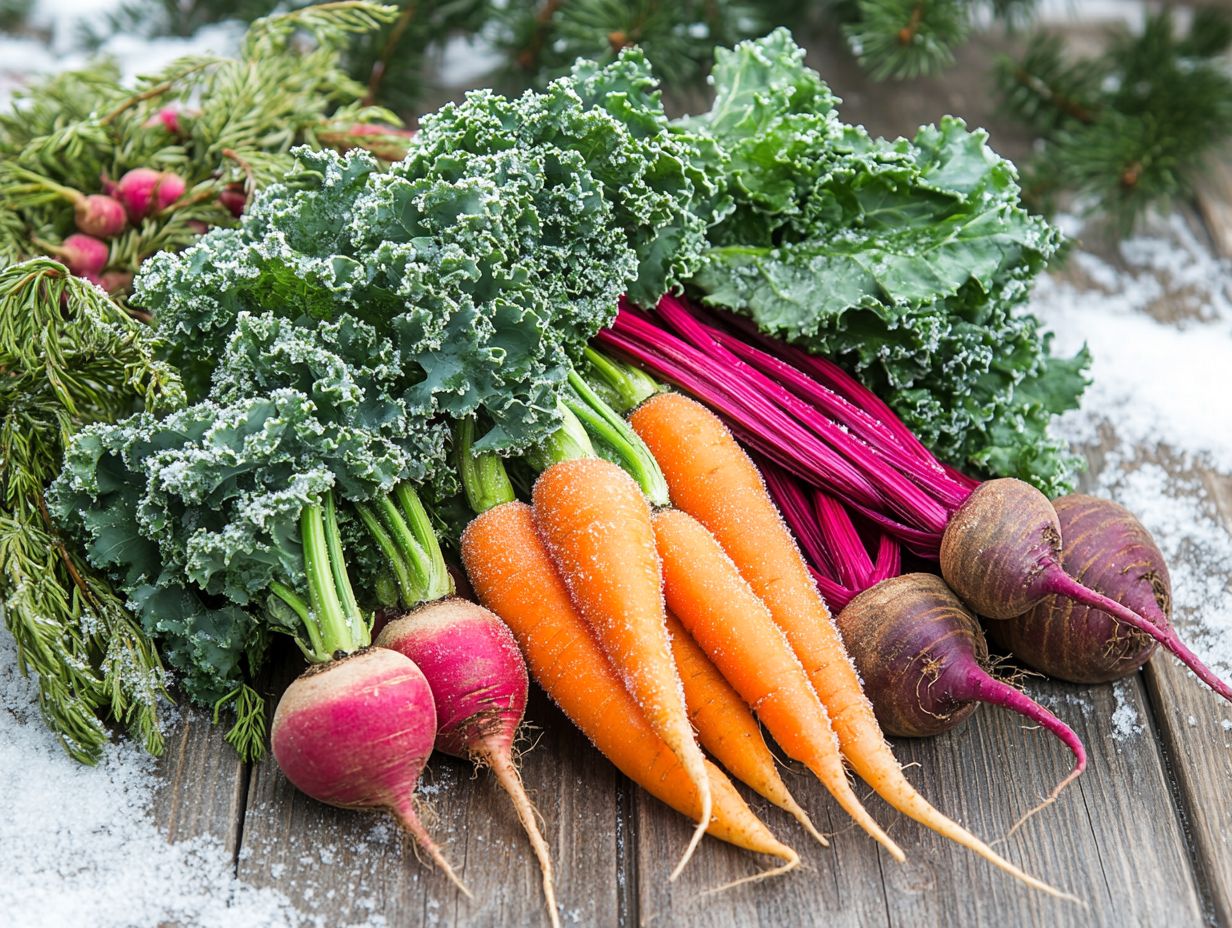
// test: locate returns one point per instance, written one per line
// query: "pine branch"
(1043, 89)
(381, 65)
(907, 38)
(1131, 128)
(70, 357)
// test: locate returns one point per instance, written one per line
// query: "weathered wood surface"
(1144, 837)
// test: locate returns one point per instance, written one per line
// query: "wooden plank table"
(1144, 836)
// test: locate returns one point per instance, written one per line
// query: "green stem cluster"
(331, 616)
(400, 526)
(591, 428)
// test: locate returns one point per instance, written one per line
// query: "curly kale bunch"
(489, 256)
(200, 515)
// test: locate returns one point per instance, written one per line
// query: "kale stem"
(483, 473)
(406, 586)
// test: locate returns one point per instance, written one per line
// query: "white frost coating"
(1125, 721)
(81, 847)
(22, 58)
(1163, 392)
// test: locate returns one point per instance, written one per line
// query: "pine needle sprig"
(1044, 90)
(1131, 128)
(70, 356)
(907, 38)
(542, 40)
(238, 120)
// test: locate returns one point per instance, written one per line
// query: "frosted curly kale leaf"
(489, 256)
(197, 514)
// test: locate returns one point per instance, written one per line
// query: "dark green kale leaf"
(908, 261)
(197, 514)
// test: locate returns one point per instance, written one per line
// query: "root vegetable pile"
(380, 361)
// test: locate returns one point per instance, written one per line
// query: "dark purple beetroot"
(1109, 550)
(923, 659)
(1002, 553)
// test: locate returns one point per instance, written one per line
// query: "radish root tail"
(511, 782)
(407, 818)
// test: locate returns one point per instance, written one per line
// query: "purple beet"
(1002, 552)
(923, 659)
(1109, 550)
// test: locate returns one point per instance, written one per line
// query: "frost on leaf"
(907, 261)
(486, 259)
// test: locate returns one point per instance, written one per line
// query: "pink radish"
(479, 682)
(99, 215)
(84, 255)
(136, 191)
(96, 214)
(116, 281)
(170, 188)
(234, 199)
(356, 732)
(144, 190)
(168, 117)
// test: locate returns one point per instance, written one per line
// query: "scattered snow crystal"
(1159, 326)
(81, 847)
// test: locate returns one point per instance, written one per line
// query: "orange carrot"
(711, 478)
(513, 576)
(726, 727)
(596, 526)
(735, 629)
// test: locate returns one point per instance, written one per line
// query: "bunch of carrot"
(644, 622)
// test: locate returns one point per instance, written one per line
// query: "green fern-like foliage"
(1130, 128)
(70, 357)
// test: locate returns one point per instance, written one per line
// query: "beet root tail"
(1062, 584)
(506, 773)
(405, 814)
(985, 688)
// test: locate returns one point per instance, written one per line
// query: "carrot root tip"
(793, 861)
(702, 824)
